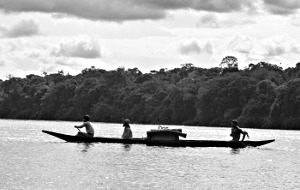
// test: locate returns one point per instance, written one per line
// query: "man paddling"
(88, 127)
(236, 131)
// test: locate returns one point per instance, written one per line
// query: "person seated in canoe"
(127, 134)
(88, 127)
(236, 131)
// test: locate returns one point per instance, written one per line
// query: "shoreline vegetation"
(262, 96)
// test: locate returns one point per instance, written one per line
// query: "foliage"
(260, 96)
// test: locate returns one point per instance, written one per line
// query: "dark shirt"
(127, 134)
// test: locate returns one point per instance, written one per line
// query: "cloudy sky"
(39, 36)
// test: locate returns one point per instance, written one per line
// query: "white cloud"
(205, 5)
(2, 63)
(269, 47)
(295, 20)
(54, 64)
(120, 10)
(242, 44)
(22, 56)
(275, 49)
(282, 7)
(211, 20)
(281, 50)
(69, 65)
(194, 47)
(82, 46)
(190, 48)
(21, 29)
(295, 48)
(8, 67)
(209, 47)
(148, 45)
(113, 10)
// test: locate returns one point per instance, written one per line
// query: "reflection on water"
(235, 151)
(85, 146)
(127, 147)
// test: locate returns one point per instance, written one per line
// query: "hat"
(235, 122)
(127, 121)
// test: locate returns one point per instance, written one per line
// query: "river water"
(31, 159)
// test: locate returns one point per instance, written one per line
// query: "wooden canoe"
(170, 143)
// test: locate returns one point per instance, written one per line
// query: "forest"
(261, 95)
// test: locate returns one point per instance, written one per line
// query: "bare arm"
(245, 133)
(80, 126)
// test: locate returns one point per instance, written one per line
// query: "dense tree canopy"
(260, 96)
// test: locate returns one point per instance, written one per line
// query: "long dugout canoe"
(169, 143)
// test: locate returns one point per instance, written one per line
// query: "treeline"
(260, 96)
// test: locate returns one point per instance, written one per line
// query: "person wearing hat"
(236, 131)
(127, 134)
(88, 127)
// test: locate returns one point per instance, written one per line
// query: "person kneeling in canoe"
(236, 131)
(88, 127)
(127, 134)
